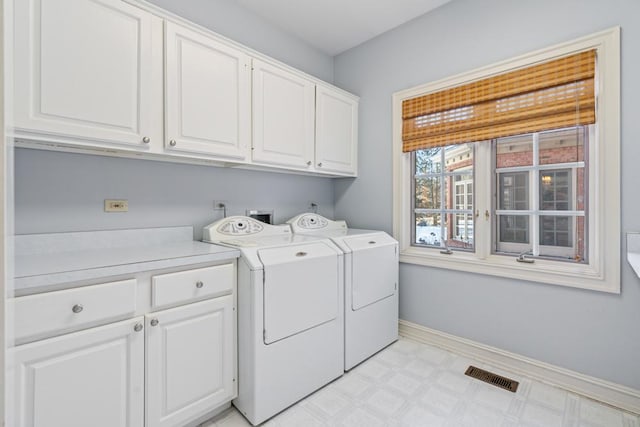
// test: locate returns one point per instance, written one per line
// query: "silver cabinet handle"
(77, 308)
(138, 327)
(309, 163)
(172, 143)
(320, 164)
(199, 284)
(146, 139)
(154, 322)
(301, 254)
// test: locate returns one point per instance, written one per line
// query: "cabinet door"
(207, 95)
(190, 361)
(336, 132)
(90, 378)
(89, 70)
(283, 117)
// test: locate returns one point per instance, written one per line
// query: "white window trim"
(603, 271)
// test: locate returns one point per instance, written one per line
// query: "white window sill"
(541, 271)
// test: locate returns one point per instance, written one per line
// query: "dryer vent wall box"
(263, 215)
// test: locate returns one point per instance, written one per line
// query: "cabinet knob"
(154, 322)
(199, 284)
(146, 139)
(138, 327)
(320, 164)
(309, 163)
(172, 143)
(77, 308)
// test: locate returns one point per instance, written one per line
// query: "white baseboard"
(613, 394)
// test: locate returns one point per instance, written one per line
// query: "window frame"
(602, 273)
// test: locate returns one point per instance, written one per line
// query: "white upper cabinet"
(336, 131)
(207, 98)
(283, 117)
(88, 70)
(121, 77)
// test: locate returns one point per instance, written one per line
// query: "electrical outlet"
(112, 205)
(220, 204)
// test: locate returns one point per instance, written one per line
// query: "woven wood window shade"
(551, 95)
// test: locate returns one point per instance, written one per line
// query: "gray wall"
(230, 19)
(65, 192)
(589, 332)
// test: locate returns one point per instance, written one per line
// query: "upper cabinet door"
(207, 95)
(283, 117)
(89, 70)
(336, 132)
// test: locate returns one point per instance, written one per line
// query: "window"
(443, 202)
(541, 204)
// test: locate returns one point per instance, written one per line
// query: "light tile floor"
(413, 384)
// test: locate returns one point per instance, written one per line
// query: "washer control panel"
(234, 227)
(240, 226)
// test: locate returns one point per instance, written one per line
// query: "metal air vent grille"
(491, 378)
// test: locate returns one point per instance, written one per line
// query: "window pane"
(428, 161)
(555, 190)
(429, 229)
(462, 236)
(428, 193)
(562, 146)
(514, 229)
(514, 191)
(458, 157)
(514, 151)
(555, 231)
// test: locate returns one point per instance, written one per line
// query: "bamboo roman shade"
(551, 95)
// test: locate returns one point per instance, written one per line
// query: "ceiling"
(334, 26)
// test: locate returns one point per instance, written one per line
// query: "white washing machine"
(290, 313)
(371, 284)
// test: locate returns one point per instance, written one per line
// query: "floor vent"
(492, 378)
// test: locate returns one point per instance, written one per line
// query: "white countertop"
(46, 262)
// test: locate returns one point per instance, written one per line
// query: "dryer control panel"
(313, 222)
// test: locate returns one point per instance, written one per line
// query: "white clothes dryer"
(290, 313)
(371, 283)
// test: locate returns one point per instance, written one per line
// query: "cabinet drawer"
(45, 314)
(189, 285)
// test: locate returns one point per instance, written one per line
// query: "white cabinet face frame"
(190, 361)
(283, 117)
(336, 132)
(207, 98)
(92, 378)
(89, 70)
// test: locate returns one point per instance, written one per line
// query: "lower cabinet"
(91, 378)
(190, 361)
(166, 368)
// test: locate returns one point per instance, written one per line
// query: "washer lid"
(301, 285)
